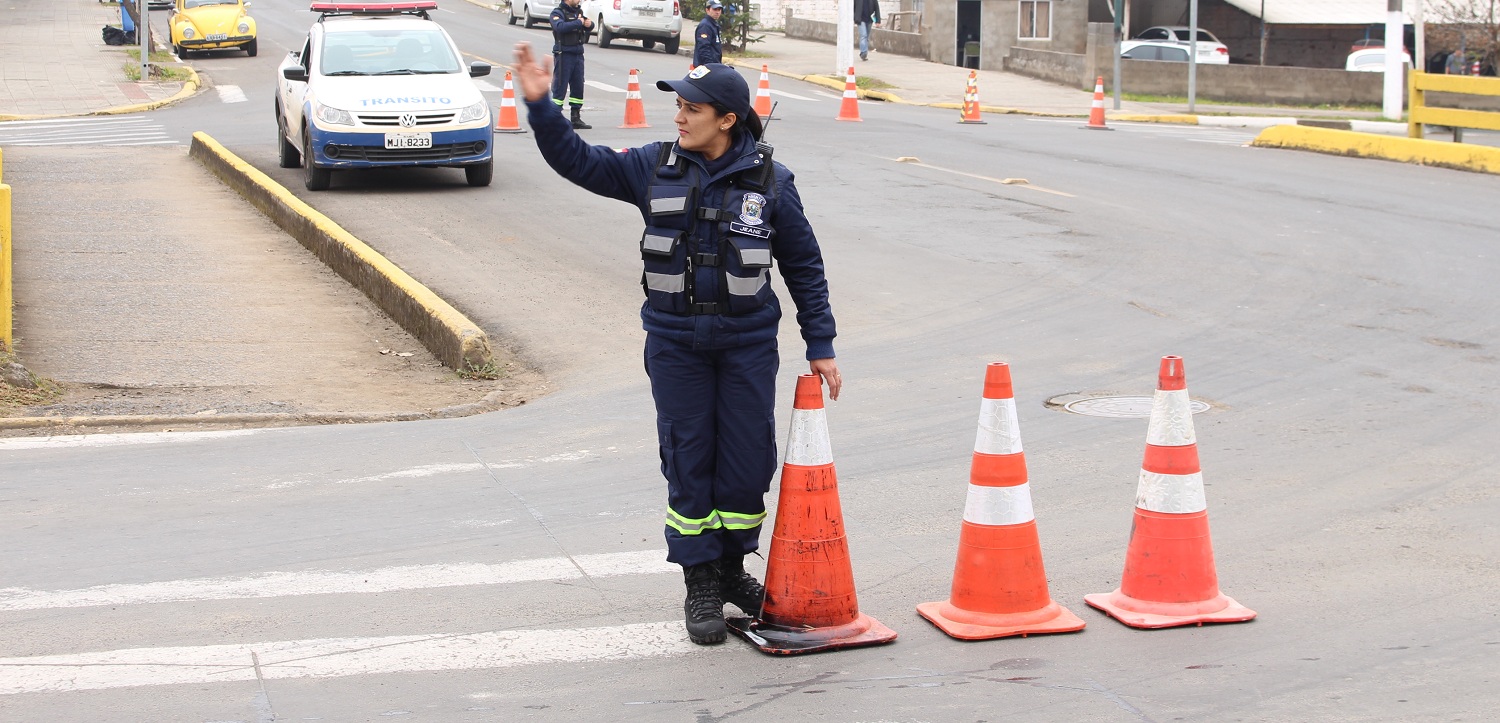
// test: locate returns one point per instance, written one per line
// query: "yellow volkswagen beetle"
(212, 25)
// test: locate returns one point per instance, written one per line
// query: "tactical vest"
(572, 37)
(739, 242)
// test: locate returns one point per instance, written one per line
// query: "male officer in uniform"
(706, 43)
(570, 30)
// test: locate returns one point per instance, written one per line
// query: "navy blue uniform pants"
(715, 419)
(567, 78)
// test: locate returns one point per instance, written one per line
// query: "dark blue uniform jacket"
(706, 43)
(628, 175)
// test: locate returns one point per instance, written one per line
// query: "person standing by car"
(865, 13)
(570, 31)
(718, 212)
(706, 48)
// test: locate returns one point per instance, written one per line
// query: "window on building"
(1036, 19)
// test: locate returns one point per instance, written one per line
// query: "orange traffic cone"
(999, 586)
(971, 100)
(507, 122)
(1169, 575)
(810, 603)
(849, 111)
(635, 111)
(1096, 112)
(763, 94)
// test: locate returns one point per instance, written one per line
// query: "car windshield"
(388, 52)
(201, 3)
(1370, 59)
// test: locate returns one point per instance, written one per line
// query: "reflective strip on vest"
(740, 521)
(999, 505)
(667, 283)
(1171, 493)
(1171, 419)
(756, 257)
(658, 243)
(670, 204)
(998, 431)
(690, 526)
(746, 287)
(807, 443)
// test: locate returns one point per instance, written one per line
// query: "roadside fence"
(1419, 113)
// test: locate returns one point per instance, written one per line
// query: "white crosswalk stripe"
(231, 93)
(794, 96)
(107, 131)
(1220, 135)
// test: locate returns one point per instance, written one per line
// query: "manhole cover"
(1122, 407)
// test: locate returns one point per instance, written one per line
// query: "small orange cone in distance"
(849, 109)
(507, 122)
(971, 100)
(763, 94)
(635, 110)
(810, 603)
(1169, 575)
(999, 586)
(1096, 111)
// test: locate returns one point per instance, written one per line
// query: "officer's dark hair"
(749, 122)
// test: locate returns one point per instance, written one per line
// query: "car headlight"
(475, 112)
(244, 27)
(187, 33)
(332, 115)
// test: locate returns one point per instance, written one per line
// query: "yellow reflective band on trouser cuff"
(693, 526)
(737, 521)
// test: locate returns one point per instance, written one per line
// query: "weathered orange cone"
(810, 604)
(1169, 575)
(763, 94)
(635, 110)
(507, 122)
(999, 586)
(849, 110)
(971, 100)
(1096, 112)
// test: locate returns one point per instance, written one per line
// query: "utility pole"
(1119, 35)
(1263, 34)
(1419, 53)
(844, 48)
(1192, 54)
(1395, 43)
(143, 33)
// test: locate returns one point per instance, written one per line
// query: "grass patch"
(1182, 100)
(158, 72)
(865, 82)
(743, 54)
(157, 56)
(12, 398)
(486, 372)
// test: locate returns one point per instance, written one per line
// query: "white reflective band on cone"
(1171, 493)
(808, 444)
(999, 505)
(998, 431)
(1171, 420)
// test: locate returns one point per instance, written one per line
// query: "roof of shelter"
(1319, 12)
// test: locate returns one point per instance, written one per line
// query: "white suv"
(649, 21)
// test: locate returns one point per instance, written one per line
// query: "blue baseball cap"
(715, 5)
(712, 82)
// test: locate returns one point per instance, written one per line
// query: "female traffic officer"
(717, 212)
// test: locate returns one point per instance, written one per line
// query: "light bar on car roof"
(371, 8)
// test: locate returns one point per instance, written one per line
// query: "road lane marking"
(603, 86)
(785, 94)
(340, 657)
(1017, 183)
(319, 582)
(231, 94)
(74, 441)
(488, 87)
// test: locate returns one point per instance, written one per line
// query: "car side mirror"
(247, 3)
(477, 69)
(295, 72)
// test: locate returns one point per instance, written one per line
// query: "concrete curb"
(1459, 156)
(449, 335)
(190, 87)
(490, 403)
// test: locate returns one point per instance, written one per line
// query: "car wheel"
(526, 13)
(671, 46)
(290, 157)
(605, 37)
(648, 44)
(316, 179)
(251, 48)
(180, 51)
(480, 175)
(513, 18)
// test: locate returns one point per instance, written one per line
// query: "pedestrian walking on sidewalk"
(570, 31)
(706, 47)
(866, 13)
(718, 213)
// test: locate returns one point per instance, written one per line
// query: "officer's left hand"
(829, 370)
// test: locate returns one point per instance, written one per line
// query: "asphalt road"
(1337, 314)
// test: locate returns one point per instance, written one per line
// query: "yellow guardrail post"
(1455, 118)
(1416, 100)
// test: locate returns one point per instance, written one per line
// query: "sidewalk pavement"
(53, 62)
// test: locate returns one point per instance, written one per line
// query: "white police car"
(378, 84)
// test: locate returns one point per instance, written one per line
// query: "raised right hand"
(535, 78)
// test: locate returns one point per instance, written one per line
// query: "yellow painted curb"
(1460, 156)
(448, 334)
(1190, 120)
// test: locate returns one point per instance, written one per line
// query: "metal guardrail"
(1419, 113)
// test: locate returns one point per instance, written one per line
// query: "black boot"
(704, 607)
(740, 587)
(578, 124)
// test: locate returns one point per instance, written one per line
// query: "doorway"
(966, 53)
